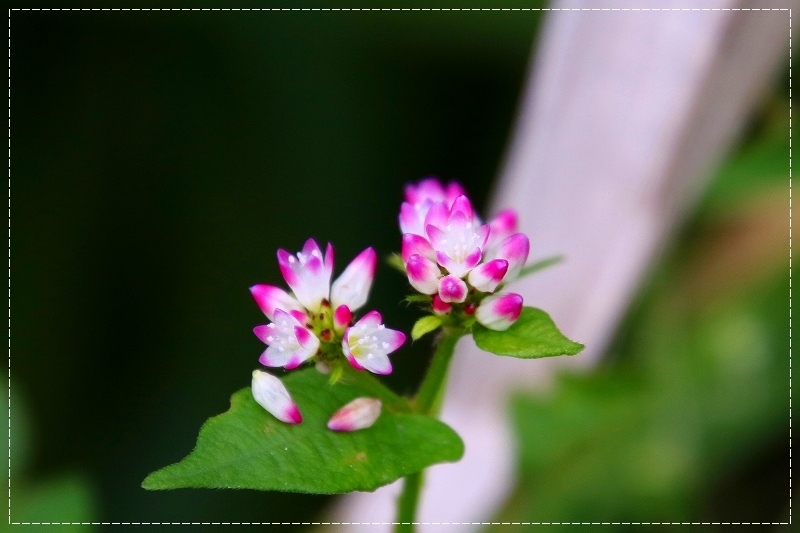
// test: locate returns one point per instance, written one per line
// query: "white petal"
(352, 287)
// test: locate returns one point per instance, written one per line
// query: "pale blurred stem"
(427, 402)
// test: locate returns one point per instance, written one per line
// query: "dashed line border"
(397, 523)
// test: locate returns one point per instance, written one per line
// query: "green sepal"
(396, 262)
(247, 448)
(425, 325)
(533, 335)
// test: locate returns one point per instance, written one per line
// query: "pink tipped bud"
(503, 225)
(440, 307)
(270, 393)
(514, 250)
(342, 317)
(452, 289)
(487, 277)
(423, 274)
(361, 413)
(416, 244)
(499, 311)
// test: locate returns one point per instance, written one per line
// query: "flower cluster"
(452, 256)
(316, 324)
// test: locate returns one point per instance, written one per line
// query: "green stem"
(427, 403)
(433, 384)
(407, 504)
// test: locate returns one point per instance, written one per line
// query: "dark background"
(159, 159)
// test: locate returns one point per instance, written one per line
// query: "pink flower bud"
(452, 289)
(514, 249)
(499, 311)
(361, 413)
(440, 307)
(416, 244)
(342, 317)
(270, 393)
(423, 274)
(487, 277)
(502, 225)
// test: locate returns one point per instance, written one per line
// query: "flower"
(361, 413)
(288, 342)
(270, 393)
(367, 343)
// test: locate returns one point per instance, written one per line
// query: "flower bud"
(487, 277)
(361, 413)
(423, 274)
(270, 393)
(499, 311)
(452, 289)
(440, 307)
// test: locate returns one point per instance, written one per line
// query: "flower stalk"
(427, 402)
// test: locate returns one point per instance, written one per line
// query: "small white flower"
(368, 342)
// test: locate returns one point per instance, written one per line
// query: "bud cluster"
(452, 256)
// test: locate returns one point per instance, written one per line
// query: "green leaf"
(533, 335)
(425, 325)
(396, 262)
(539, 265)
(247, 448)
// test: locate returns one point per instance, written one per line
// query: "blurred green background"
(158, 161)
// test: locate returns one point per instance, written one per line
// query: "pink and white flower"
(499, 311)
(270, 393)
(289, 343)
(368, 342)
(290, 337)
(361, 413)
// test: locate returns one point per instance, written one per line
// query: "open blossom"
(368, 342)
(288, 342)
(450, 254)
(312, 322)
